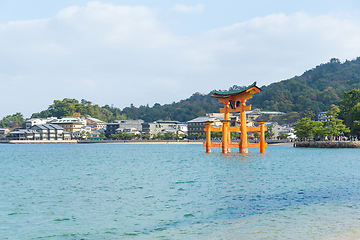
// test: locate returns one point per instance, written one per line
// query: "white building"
(38, 121)
(82, 133)
(276, 128)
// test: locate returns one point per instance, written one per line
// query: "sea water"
(165, 191)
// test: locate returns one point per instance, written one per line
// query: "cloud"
(188, 9)
(119, 55)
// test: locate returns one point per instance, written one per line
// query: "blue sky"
(145, 52)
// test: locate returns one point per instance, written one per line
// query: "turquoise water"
(117, 191)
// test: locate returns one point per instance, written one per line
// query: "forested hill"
(184, 110)
(315, 90)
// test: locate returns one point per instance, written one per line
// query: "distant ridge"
(315, 90)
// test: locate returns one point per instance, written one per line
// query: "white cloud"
(188, 9)
(119, 55)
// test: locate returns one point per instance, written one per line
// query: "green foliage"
(196, 136)
(350, 109)
(82, 134)
(146, 136)
(69, 107)
(88, 135)
(284, 135)
(315, 90)
(291, 117)
(306, 95)
(304, 128)
(102, 135)
(216, 134)
(269, 133)
(159, 136)
(13, 121)
(333, 127)
(124, 136)
(185, 110)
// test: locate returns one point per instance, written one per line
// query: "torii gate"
(235, 101)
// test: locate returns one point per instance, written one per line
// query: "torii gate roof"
(228, 94)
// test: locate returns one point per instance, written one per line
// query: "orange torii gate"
(235, 101)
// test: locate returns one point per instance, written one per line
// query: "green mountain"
(185, 110)
(315, 91)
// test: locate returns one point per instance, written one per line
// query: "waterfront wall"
(328, 144)
(39, 141)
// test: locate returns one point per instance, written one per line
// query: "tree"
(169, 135)
(146, 136)
(304, 128)
(349, 108)
(284, 135)
(88, 135)
(159, 136)
(102, 135)
(335, 126)
(82, 134)
(13, 121)
(216, 134)
(269, 132)
(319, 130)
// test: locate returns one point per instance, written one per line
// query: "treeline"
(306, 95)
(340, 120)
(185, 110)
(16, 120)
(315, 90)
(72, 107)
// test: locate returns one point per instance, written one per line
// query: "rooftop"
(227, 94)
(203, 119)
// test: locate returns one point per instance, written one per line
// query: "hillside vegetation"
(185, 110)
(314, 91)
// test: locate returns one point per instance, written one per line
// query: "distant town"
(89, 128)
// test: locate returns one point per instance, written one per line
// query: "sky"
(122, 52)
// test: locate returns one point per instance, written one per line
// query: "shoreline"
(191, 142)
(328, 144)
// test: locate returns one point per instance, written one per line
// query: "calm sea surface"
(117, 191)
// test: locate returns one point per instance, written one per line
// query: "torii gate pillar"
(243, 146)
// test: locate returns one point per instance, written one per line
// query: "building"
(276, 128)
(82, 133)
(289, 130)
(4, 132)
(41, 132)
(95, 123)
(37, 121)
(70, 124)
(115, 126)
(24, 134)
(198, 124)
(183, 128)
(322, 117)
(160, 125)
(234, 119)
(95, 134)
(177, 132)
(252, 115)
